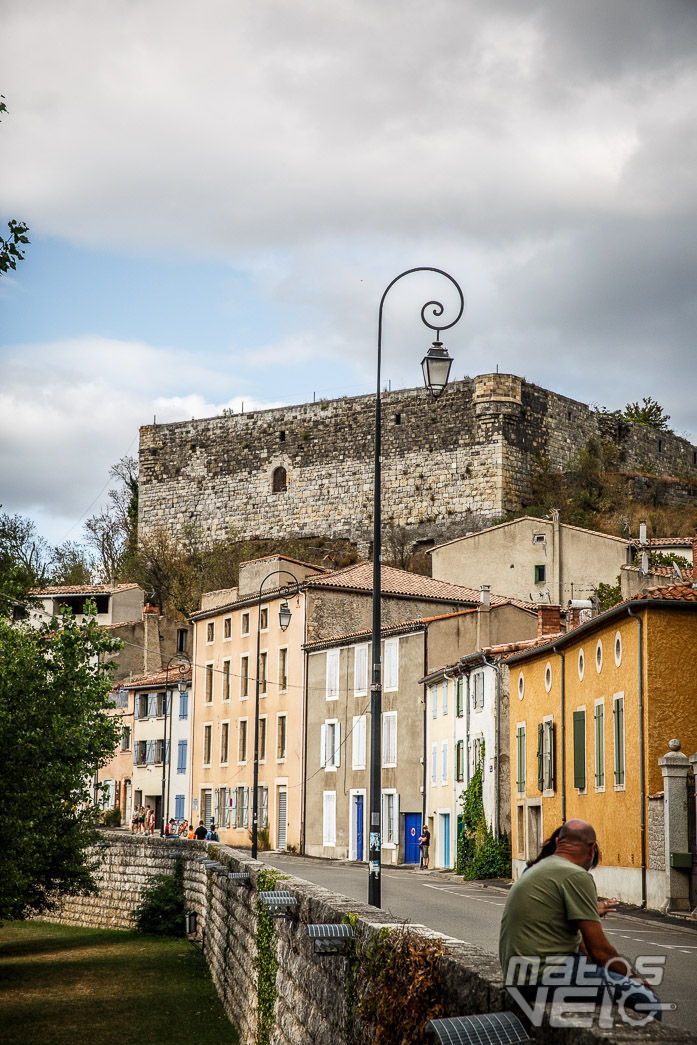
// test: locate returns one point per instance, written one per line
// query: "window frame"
(360, 690)
(331, 674)
(282, 669)
(329, 819)
(226, 681)
(224, 732)
(244, 676)
(227, 629)
(390, 658)
(389, 717)
(579, 738)
(619, 744)
(359, 733)
(281, 757)
(210, 632)
(599, 735)
(209, 685)
(242, 741)
(207, 744)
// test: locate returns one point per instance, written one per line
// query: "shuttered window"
(445, 696)
(179, 807)
(184, 705)
(233, 810)
(181, 756)
(358, 751)
(434, 763)
(360, 670)
(579, 723)
(391, 666)
(618, 716)
(459, 703)
(520, 759)
(332, 674)
(389, 738)
(460, 760)
(599, 745)
(329, 818)
(540, 757)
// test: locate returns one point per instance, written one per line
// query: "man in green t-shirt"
(551, 935)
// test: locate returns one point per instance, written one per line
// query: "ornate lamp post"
(182, 664)
(284, 617)
(436, 368)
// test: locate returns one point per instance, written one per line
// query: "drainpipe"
(562, 713)
(642, 768)
(497, 743)
(303, 776)
(467, 729)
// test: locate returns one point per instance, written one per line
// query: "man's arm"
(600, 950)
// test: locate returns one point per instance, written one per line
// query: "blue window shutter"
(179, 807)
(184, 705)
(150, 752)
(181, 757)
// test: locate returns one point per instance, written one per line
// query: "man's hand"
(607, 906)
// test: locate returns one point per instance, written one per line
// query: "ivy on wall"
(266, 961)
(479, 854)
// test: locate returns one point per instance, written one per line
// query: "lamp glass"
(183, 685)
(284, 615)
(436, 366)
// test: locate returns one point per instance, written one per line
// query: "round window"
(581, 664)
(599, 656)
(521, 686)
(618, 649)
(548, 677)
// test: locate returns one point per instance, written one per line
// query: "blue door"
(445, 824)
(412, 831)
(359, 827)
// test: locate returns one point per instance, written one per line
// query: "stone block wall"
(311, 989)
(656, 832)
(447, 465)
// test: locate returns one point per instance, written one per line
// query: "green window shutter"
(459, 702)
(540, 757)
(599, 746)
(552, 754)
(579, 749)
(520, 768)
(618, 713)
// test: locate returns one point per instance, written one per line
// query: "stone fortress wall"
(448, 465)
(311, 990)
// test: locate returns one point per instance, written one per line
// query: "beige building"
(326, 604)
(115, 603)
(534, 559)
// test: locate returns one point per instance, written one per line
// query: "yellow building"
(591, 713)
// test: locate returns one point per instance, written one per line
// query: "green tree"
(54, 687)
(609, 594)
(162, 910)
(649, 413)
(71, 564)
(25, 560)
(113, 532)
(11, 248)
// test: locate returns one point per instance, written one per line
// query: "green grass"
(61, 985)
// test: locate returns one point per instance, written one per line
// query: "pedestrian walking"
(201, 831)
(424, 844)
(212, 835)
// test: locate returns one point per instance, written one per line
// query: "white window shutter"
(434, 763)
(395, 822)
(337, 744)
(332, 674)
(323, 745)
(329, 818)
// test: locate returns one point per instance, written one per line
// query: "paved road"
(472, 913)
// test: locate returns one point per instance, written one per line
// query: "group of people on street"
(143, 821)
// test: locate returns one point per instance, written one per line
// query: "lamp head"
(436, 366)
(284, 615)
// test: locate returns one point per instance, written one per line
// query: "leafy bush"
(609, 594)
(112, 817)
(162, 909)
(479, 854)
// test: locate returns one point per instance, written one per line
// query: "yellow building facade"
(590, 715)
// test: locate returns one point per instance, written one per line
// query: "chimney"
(548, 620)
(484, 617)
(485, 595)
(147, 608)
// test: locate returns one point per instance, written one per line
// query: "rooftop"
(159, 678)
(528, 518)
(84, 589)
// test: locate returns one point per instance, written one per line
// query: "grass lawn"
(61, 985)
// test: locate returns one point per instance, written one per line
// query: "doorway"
(412, 833)
(282, 840)
(444, 839)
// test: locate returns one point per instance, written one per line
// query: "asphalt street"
(472, 913)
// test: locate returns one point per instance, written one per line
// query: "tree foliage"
(609, 594)
(11, 247)
(649, 413)
(113, 532)
(25, 560)
(54, 687)
(162, 909)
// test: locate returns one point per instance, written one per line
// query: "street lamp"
(284, 617)
(436, 369)
(182, 663)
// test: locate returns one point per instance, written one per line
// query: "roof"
(659, 571)
(415, 624)
(283, 558)
(158, 678)
(478, 656)
(672, 595)
(533, 519)
(663, 542)
(84, 589)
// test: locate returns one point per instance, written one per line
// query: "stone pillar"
(674, 767)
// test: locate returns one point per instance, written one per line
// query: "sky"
(219, 193)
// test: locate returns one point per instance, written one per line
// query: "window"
(618, 730)
(152, 705)
(389, 738)
(282, 437)
(126, 738)
(332, 684)
(283, 669)
(224, 742)
(329, 818)
(181, 640)
(245, 623)
(444, 763)
(548, 676)
(521, 686)
(581, 665)
(390, 818)
(226, 680)
(161, 751)
(391, 657)
(434, 763)
(359, 735)
(263, 657)
(262, 738)
(434, 701)
(545, 755)
(181, 756)
(459, 700)
(179, 807)
(477, 752)
(209, 684)
(184, 705)
(460, 760)
(207, 729)
(599, 745)
(210, 631)
(281, 737)
(264, 619)
(279, 480)
(478, 690)
(330, 743)
(520, 759)
(239, 813)
(599, 656)
(579, 725)
(360, 670)
(233, 807)
(445, 696)
(141, 705)
(242, 740)
(244, 677)
(163, 702)
(618, 649)
(540, 574)
(140, 753)
(263, 800)
(119, 697)
(539, 538)
(227, 627)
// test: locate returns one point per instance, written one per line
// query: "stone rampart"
(311, 990)
(447, 465)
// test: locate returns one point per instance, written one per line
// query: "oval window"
(548, 676)
(599, 656)
(618, 649)
(581, 664)
(521, 686)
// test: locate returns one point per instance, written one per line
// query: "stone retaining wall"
(311, 989)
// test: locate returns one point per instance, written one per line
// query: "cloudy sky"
(218, 194)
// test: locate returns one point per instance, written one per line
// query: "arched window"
(280, 480)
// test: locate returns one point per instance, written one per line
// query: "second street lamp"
(436, 368)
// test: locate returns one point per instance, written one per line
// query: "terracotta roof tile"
(158, 678)
(83, 589)
(663, 542)
(528, 518)
(672, 592)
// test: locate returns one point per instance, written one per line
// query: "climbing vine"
(479, 854)
(266, 961)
